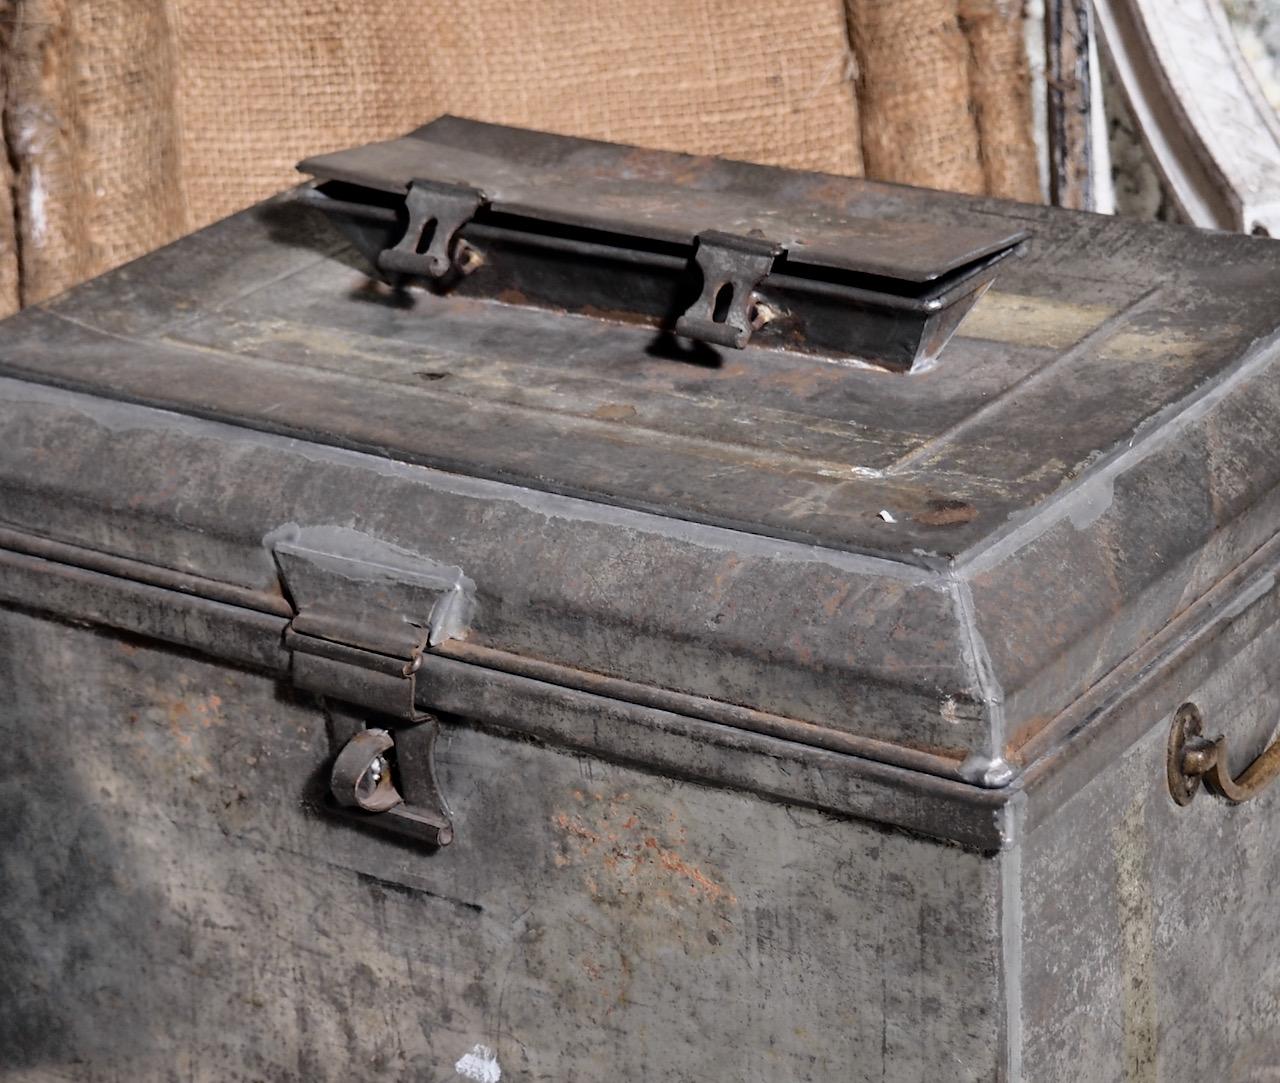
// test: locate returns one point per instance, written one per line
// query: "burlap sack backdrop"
(130, 122)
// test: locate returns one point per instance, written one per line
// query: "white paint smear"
(479, 1063)
(36, 209)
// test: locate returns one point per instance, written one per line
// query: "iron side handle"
(1194, 758)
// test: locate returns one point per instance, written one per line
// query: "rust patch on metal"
(831, 605)
(614, 411)
(1033, 726)
(629, 852)
(947, 513)
(836, 192)
(805, 381)
(192, 712)
(615, 315)
(640, 164)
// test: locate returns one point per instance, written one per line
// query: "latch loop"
(437, 211)
(361, 779)
(732, 267)
(361, 775)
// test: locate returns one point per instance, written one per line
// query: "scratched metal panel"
(1123, 318)
(1061, 600)
(557, 578)
(1149, 950)
(1092, 454)
(174, 905)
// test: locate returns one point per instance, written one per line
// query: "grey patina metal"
(485, 211)
(771, 718)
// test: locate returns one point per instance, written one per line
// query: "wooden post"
(1068, 28)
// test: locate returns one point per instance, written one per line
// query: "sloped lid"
(582, 183)
(933, 565)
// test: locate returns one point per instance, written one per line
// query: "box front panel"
(175, 903)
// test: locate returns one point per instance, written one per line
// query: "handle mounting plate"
(1193, 758)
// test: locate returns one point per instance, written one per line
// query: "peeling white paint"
(32, 123)
(36, 213)
(479, 1063)
(1090, 502)
(29, 141)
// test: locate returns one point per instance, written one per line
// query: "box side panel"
(175, 903)
(1150, 949)
(1062, 600)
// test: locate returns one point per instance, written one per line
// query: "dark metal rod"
(264, 601)
(791, 729)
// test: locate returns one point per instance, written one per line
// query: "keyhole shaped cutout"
(724, 298)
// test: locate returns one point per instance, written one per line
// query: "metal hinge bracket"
(430, 246)
(381, 683)
(732, 267)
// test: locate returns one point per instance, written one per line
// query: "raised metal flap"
(658, 211)
(353, 589)
(592, 230)
(365, 612)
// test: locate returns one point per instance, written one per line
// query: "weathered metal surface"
(779, 628)
(681, 738)
(685, 622)
(1150, 949)
(1099, 728)
(659, 196)
(253, 294)
(1049, 634)
(1090, 461)
(1076, 1002)
(1080, 1002)
(179, 904)
(570, 223)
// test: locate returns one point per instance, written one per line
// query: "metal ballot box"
(520, 608)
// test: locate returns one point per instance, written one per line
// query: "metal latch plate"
(732, 267)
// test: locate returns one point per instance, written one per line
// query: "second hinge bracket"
(430, 245)
(732, 267)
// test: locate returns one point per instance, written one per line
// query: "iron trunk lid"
(925, 568)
